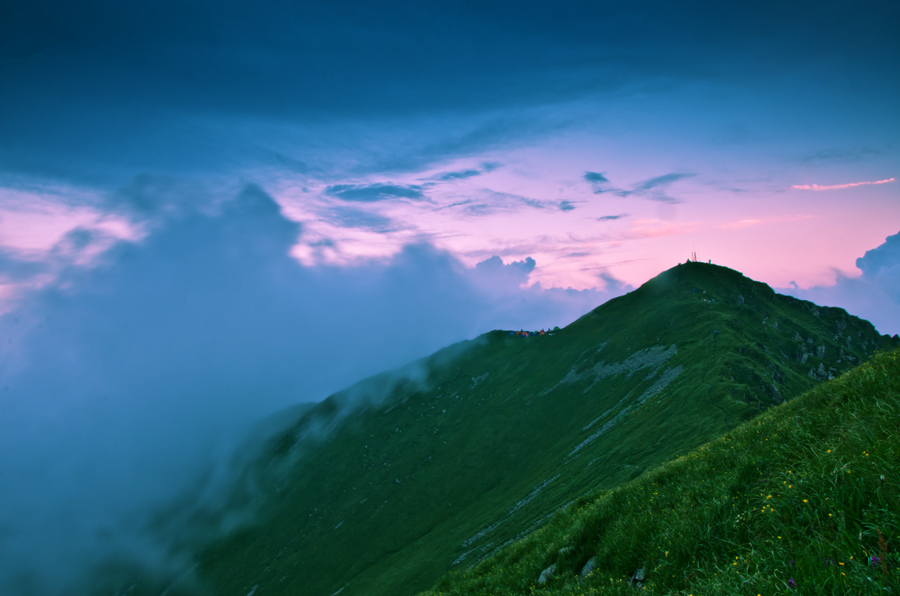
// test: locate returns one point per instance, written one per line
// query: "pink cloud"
(748, 222)
(838, 186)
(655, 228)
(743, 223)
(34, 222)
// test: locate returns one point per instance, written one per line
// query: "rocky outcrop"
(588, 567)
(547, 574)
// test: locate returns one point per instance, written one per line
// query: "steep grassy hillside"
(383, 487)
(803, 499)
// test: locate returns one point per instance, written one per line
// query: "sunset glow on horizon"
(604, 163)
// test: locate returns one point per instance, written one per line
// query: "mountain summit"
(383, 487)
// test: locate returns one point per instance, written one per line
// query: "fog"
(127, 382)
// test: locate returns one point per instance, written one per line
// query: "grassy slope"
(803, 499)
(480, 450)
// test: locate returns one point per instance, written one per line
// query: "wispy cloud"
(651, 189)
(657, 228)
(467, 173)
(612, 217)
(742, 223)
(459, 175)
(596, 177)
(451, 205)
(599, 183)
(839, 186)
(657, 181)
(368, 193)
(755, 221)
(490, 202)
(356, 218)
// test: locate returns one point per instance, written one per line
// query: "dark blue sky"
(700, 113)
(95, 91)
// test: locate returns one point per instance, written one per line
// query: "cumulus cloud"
(367, 193)
(126, 384)
(494, 269)
(874, 295)
(881, 260)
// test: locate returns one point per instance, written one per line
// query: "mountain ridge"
(802, 499)
(384, 486)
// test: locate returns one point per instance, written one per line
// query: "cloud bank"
(123, 383)
(874, 296)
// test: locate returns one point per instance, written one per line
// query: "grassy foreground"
(803, 499)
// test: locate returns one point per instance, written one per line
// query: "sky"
(211, 211)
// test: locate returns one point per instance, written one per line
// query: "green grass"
(802, 499)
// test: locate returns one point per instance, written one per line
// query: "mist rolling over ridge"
(489, 439)
(125, 382)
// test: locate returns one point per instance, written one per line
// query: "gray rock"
(637, 579)
(566, 550)
(547, 574)
(588, 567)
(776, 394)
(820, 351)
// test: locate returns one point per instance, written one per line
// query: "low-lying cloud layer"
(874, 296)
(122, 383)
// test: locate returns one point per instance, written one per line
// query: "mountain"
(382, 488)
(804, 499)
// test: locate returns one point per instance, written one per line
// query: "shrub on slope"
(802, 499)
